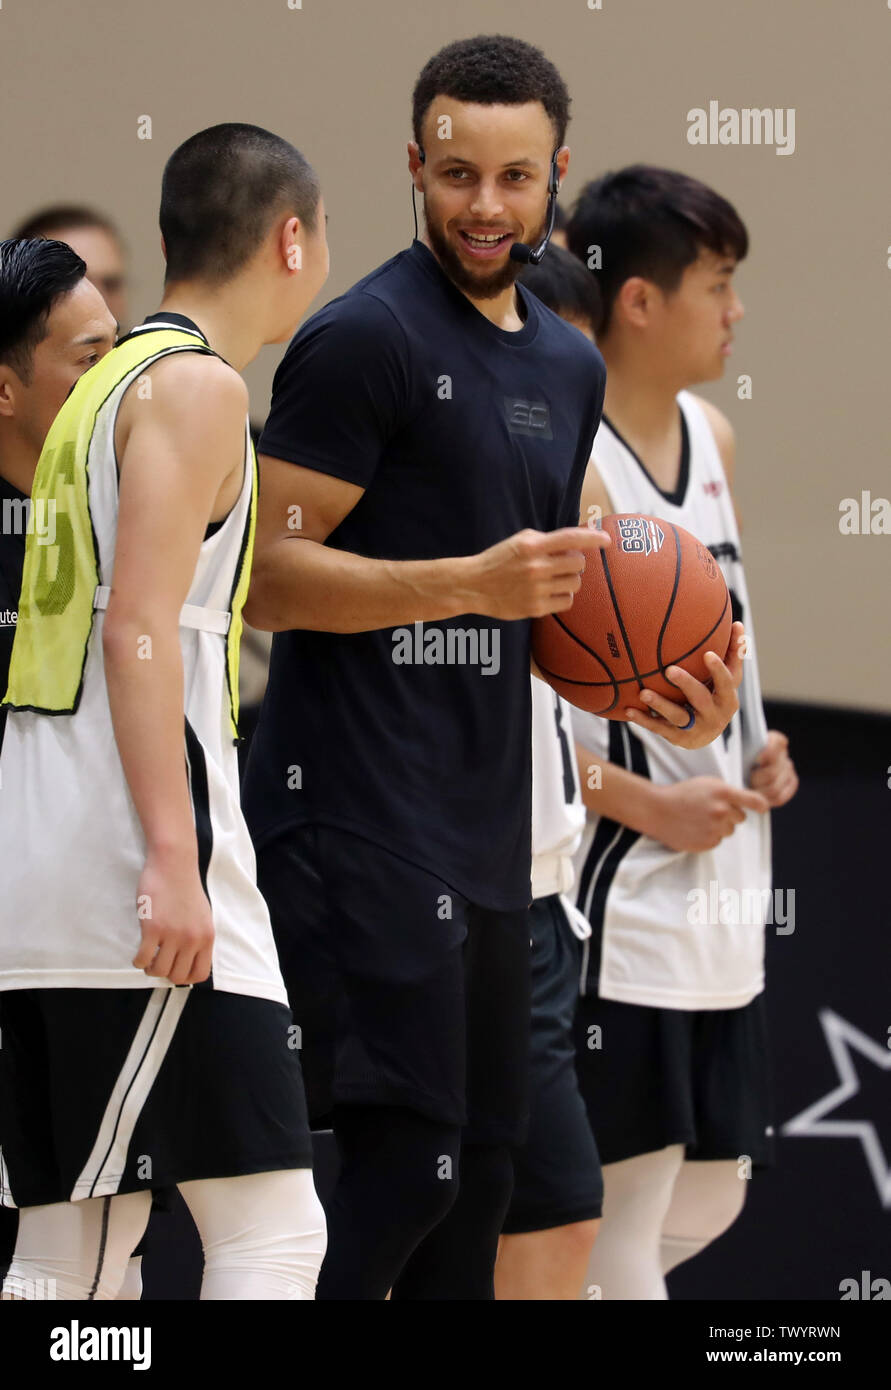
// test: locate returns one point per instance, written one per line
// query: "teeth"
(472, 236)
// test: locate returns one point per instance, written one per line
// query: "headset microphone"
(534, 255)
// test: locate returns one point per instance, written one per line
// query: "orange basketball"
(654, 598)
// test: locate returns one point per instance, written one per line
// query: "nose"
(486, 203)
(737, 308)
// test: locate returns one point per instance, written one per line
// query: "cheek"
(54, 394)
(446, 201)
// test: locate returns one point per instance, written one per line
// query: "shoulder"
(571, 356)
(566, 337)
(358, 322)
(201, 372)
(723, 433)
(193, 386)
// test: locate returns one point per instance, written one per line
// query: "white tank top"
(68, 915)
(671, 929)
(558, 814)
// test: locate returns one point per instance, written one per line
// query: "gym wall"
(335, 77)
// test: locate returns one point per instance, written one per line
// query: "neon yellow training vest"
(55, 615)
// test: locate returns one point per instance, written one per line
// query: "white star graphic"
(841, 1036)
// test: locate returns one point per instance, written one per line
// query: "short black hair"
(492, 70)
(34, 273)
(220, 193)
(65, 217)
(565, 286)
(650, 222)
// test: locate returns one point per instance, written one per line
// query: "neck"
(227, 317)
(18, 462)
(503, 310)
(640, 395)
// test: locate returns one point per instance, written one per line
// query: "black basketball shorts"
(557, 1177)
(106, 1091)
(653, 1077)
(405, 992)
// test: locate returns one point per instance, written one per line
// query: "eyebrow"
(89, 338)
(509, 164)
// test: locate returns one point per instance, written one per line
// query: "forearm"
(620, 795)
(299, 583)
(145, 695)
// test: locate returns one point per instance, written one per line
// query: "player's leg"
(634, 1066)
(558, 1189)
(263, 1235)
(373, 964)
(731, 1097)
(62, 1053)
(398, 1178)
(706, 1200)
(226, 1122)
(131, 1288)
(545, 1264)
(625, 1262)
(76, 1250)
(457, 1259)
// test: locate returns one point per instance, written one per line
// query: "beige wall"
(335, 77)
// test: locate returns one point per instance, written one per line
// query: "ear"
(289, 244)
(8, 387)
(416, 159)
(562, 161)
(163, 247)
(635, 301)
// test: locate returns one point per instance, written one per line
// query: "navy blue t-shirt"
(461, 433)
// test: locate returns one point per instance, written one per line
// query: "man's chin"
(490, 284)
(474, 280)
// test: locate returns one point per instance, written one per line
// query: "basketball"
(655, 598)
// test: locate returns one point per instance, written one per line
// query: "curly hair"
(492, 69)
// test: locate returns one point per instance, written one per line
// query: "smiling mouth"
(485, 243)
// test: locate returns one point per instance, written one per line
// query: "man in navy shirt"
(420, 478)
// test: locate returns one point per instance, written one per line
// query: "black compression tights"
(393, 1218)
(457, 1258)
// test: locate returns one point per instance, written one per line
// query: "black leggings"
(400, 1219)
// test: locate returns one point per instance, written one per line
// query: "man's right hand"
(531, 573)
(698, 813)
(176, 920)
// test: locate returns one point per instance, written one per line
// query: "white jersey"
(671, 929)
(558, 815)
(69, 914)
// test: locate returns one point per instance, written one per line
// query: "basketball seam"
(591, 652)
(626, 680)
(673, 596)
(612, 595)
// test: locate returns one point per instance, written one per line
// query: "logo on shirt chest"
(528, 417)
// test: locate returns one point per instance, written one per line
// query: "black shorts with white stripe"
(106, 1091)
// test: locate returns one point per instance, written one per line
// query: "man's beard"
(478, 286)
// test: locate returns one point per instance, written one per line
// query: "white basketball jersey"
(671, 929)
(558, 815)
(69, 912)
